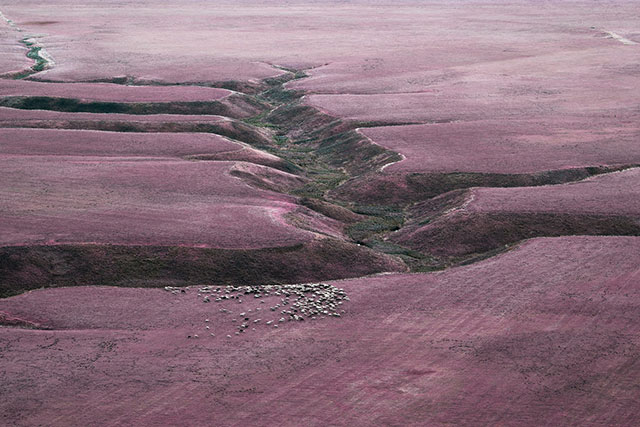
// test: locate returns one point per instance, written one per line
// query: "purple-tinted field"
(396, 48)
(546, 335)
(508, 147)
(58, 142)
(10, 117)
(521, 89)
(107, 92)
(617, 193)
(53, 200)
(161, 177)
(13, 57)
(576, 71)
(114, 122)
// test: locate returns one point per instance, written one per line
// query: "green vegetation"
(280, 139)
(329, 152)
(33, 53)
(372, 226)
(259, 121)
(416, 261)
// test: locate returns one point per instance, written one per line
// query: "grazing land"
(547, 331)
(319, 213)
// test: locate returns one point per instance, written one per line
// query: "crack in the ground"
(35, 51)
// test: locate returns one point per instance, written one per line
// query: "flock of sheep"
(293, 303)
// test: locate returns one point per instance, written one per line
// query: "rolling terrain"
(337, 213)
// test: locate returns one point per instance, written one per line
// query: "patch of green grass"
(259, 121)
(280, 139)
(373, 226)
(321, 182)
(279, 95)
(378, 210)
(415, 260)
(33, 53)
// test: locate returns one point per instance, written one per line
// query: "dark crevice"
(466, 235)
(31, 267)
(247, 88)
(402, 189)
(233, 129)
(235, 106)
